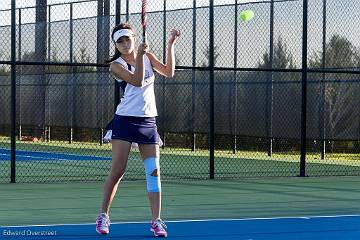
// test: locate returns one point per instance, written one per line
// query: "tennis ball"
(246, 15)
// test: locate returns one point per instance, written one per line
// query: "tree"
(339, 100)
(280, 102)
(339, 53)
(357, 58)
(207, 55)
(282, 58)
(84, 58)
(30, 57)
(57, 68)
(4, 71)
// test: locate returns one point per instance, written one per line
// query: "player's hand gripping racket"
(144, 19)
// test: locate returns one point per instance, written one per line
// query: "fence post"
(48, 127)
(234, 76)
(304, 91)
(127, 11)
(103, 33)
(117, 85)
(40, 56)
(322, 103)
(13, 92)
(163, 78)
(270, 86)
(20, 73)
(71, 90)
(193, 79)
(211, 100)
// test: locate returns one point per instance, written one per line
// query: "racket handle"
(144, 35)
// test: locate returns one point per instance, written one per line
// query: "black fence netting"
(233, 109)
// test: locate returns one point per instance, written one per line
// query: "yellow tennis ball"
(246, 15)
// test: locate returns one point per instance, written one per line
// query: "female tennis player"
(134, 119)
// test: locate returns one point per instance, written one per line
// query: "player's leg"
(120, 154)
(151, 155)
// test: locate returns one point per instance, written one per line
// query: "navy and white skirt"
(142, 130)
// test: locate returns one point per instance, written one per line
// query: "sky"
(153, 4)
(61, 12)
(253, 36)
(88, 10)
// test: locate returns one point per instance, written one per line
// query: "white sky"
(89, 9)
(83, 10)
(287, 21)
(152, 3)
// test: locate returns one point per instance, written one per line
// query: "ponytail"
(114, 57)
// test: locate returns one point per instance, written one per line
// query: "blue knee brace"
(152, 172)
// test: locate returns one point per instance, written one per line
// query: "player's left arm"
(167, 69)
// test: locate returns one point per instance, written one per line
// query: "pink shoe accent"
(102, 223)
(158, 228)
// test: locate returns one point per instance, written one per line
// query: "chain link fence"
(64, 96)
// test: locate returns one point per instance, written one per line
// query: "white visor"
(121, 33)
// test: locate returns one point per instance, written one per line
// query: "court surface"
(311, 228)
(275, 208)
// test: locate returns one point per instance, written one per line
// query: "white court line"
(195, 220)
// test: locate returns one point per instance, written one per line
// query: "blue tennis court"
(310, 228)
(22, 155)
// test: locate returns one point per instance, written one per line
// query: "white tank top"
(138, 101)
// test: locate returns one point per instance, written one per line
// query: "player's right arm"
(135, 78)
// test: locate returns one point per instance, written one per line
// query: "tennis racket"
(144, 19)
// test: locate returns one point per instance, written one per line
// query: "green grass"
(175, 163)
